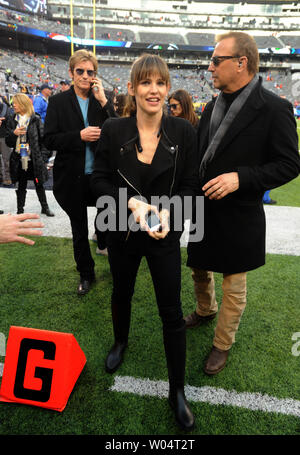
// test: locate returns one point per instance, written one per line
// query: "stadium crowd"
(244, 144)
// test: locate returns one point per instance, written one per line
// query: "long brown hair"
(143, 67)
(183, 97)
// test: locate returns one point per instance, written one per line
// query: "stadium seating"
(32, 70)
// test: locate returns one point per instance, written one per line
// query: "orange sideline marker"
(41, 367)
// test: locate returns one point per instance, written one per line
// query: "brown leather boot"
(216, 361)
(194, 320)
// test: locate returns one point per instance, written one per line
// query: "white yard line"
(211, 395)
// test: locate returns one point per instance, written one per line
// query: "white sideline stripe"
(211, 395)
(1, 369)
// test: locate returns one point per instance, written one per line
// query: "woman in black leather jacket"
(138, 158)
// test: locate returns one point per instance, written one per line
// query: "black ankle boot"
(175, 348)
(183, 415)
(21, 197)
(115, 356)
(41, 193)
(47, 211)
(121, 322)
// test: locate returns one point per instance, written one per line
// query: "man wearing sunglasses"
(248, 144)
(72, 128)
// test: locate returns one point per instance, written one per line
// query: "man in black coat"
(72, 128)
(248, 144)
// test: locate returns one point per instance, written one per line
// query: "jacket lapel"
(163, 159)
(245, 117)
(75, 103)
(203, 128)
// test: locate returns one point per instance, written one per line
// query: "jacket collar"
(244, 118)
(75, 102)
(163, 159)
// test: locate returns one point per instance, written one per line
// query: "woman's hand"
(141, 209)
(164, 216)
(20, 131)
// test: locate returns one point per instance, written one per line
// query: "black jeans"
(80, 232)
(165, 268)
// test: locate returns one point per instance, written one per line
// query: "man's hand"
(90, 134)
(98, 91)
(222, 185)
(12, 226)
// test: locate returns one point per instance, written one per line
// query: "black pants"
(80, 233)
(23, 177)
(165, 268)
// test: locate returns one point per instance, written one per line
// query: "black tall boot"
(21, 197)
(121, 323)
(175, 348)
(41, 193)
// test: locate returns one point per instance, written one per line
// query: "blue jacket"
(40, 106)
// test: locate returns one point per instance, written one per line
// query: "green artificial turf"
(38, 290)
(289, 194)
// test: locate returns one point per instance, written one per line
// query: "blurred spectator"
(29, 156)
(65, 85)
(120, 104)
(5, 113)
(180, 105)
(40, 102)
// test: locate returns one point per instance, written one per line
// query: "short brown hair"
(245, 45)
(143, 67)
(80, 56)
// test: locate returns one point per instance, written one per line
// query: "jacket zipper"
(175, 164)
(127, 181)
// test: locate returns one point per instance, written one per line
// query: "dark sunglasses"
(173, 106)
(218, 59)
(80, 72)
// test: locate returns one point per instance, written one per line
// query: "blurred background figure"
(180, 105)
(29, 157)
(5, 113)
(120, 104)
(267, 199)
(65, 85)
(40, 102)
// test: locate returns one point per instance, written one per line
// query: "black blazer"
(262, 146)
(173, 170)
(63, 124)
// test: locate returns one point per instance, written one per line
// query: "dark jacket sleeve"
(55, 138)
(103, 174)
(44, 151)
(10, 138)
(283, 161)
(189, 182)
